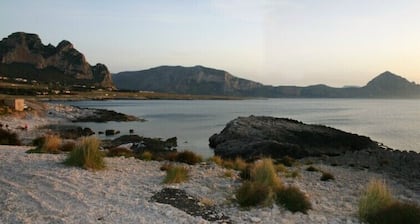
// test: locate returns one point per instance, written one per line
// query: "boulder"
(256, 136)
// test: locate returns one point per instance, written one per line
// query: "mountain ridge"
(385, 85)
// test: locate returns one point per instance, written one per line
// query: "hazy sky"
(277, 42)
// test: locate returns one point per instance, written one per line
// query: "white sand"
(36, 188)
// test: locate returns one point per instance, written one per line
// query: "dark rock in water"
(70, 131)
(102, 115)
(131, 131)
(100, 132)
(256, 136)
(179, 199)
(141, 144)
(109, 132)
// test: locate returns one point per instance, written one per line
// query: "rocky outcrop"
(256, 136)
(24, 48)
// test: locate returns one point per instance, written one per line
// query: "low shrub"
(326, 176)
(293, 199)
(68, 146)
(253, 193)
(312, 169)
(120, 151)
(51, 144)
(396, 212)
(176, 174)
(171, 156)
(86, 154)
(188, 157)
(228, 174)
(8, 138)
(376, 197)
(146, 155)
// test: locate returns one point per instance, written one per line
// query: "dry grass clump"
(228, 174)
(264, 172)
(396, 212)
(47, 144)
(287, 161)
(8, 138)
(254, 193)
(326, 176)
(146, 155)
(86, 154)
(68, 146)
(293, 174)
(376, 197)
(207, 201)
(293, 199)
(176, 174)
(217, 160)
(237, 164)
(120, 151)
(261, 188)
(378, 206)
(281, 168)
(186, 156)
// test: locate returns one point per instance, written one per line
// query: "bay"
(395, 123)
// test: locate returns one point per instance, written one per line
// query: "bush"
(281, 168)
(312, 169)
(146, 155)
(86, 154)
(8, 138)
(396, 212)
(188, 157)
(120, 151)
(377, 196)
(261, 187)
(253, 193)
(264, 172)
(68, 146)
(326, 176)
(51, 144)
(293, 199)
(176, 174)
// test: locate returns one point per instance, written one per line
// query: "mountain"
(23, 55)
(208, 81)
(184, 80)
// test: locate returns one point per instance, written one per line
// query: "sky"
(275, 42)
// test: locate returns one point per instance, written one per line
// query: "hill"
(185, 80)
(208, 81)
(22, 55)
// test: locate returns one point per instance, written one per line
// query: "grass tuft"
(86, 154)
(253, 193)
(146, 155)
(396, 212)
(377, 196)
(293, 199)
(264, 172)
(176, 174)
(287, 161)
(188, 157)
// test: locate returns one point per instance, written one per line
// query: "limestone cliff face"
(27, 48)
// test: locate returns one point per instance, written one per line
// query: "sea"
(392, 122)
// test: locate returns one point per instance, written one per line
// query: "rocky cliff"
(185, 80)
(23, 54)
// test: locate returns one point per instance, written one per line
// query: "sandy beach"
(37, 188)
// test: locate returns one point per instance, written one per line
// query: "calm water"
(395, 123)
